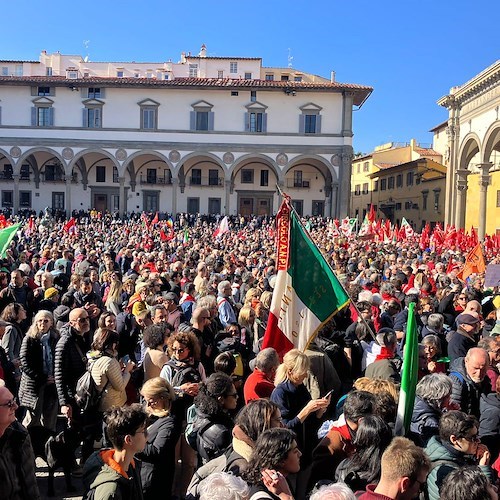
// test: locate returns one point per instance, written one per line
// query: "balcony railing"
(206, 181)
(155, 180)
(298, 184)
(52, 178)
(6, 176)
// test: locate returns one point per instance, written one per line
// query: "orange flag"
(474, 264)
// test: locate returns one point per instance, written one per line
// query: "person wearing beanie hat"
(50, 300)
(50, 293)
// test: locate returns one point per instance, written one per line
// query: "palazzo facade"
(213, 135)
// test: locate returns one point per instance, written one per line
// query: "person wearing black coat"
(37, 391)
(213, 424)
(7, 369)
(158, 457)
(489, 421)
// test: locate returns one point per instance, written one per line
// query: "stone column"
(461, 198)
(328, 200)
(347, 115)
(175, 183)
(484, 182)
(123, 197)
(334, 210)
(227, 197)
(345, 182)
(15, 200)
(67, 203)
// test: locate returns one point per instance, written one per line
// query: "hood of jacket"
(423, 410)
(436, 450)
(97, 472)
(61, 313)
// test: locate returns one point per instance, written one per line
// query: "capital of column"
(16, 177)
(174, 181)
(485, 167)
(121, 180)
(463, 173)
(484, 181)
(68, 179)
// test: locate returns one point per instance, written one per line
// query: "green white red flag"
(306, 294)
(6, 236)
(409, 375)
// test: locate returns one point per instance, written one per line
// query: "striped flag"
(222, 228)
(185, 239)
(306, 294)
(409, 375)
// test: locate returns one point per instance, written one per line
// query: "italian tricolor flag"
(306, 294)
(409, 375)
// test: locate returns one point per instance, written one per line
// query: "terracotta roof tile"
(361, 92)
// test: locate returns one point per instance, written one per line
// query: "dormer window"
(72, 74)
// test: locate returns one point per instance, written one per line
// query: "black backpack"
(88, 395)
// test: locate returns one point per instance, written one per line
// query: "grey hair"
(336, 491)
(223, 485)
(267, 359)
(435, 321)
(387, 338)
(207, 302)
(222, 285)
(434, 388)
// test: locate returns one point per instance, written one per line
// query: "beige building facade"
(470, 144)
(203, 135)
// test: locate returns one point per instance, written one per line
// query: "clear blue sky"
(411, 52)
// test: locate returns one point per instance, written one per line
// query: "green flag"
(409, 375)
(6, 236)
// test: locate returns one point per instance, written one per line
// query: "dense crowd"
(131, 353)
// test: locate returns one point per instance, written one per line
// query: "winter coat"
(387, 369)
(445, 459)
(158, 458)
(424, 422)
(17, 465)
(290, 400)
(61, 316)
(489, 422)
(12, 340)
(458, 344)
(33, 377)
(70, 365)
(108, 376)
(464, 391)
(106, 482)
(214, 434)
(8, 370)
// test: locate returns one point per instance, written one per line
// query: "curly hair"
(187, 339)
(154, 335)
(217, 385)
(271, 450)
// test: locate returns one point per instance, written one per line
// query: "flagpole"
(283, 195)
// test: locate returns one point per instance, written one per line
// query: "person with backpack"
(183, 372)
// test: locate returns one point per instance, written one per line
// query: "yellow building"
(400, 180)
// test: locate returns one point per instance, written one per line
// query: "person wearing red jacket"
(260, 383)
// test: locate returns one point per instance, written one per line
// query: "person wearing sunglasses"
(37, 391)
(17, 461)
(457, 445)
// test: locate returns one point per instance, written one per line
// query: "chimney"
(332, 77)
(183, 57)
(203, 51)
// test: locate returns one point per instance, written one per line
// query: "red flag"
(71, 223)
(163, 236)
(156, 219)
(371, 214)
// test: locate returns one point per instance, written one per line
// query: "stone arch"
(100, 151)
(201, 156)
(313, 158)
(151, 152)
(33, 151)
(255, 157)
(471, 145)
(491, 139)
(7, 157)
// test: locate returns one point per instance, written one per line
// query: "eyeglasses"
(152, 402)
(9, 404)
(44, 320)
(420, 485)
(83, 320)
(204, 317)
(180, 350)
(475, 438)
(232, 394)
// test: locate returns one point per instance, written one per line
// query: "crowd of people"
(137, 344)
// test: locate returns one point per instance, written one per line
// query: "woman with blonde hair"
(37, 392)
(114, 298)
(246, 319)
(158, 457)
(295, 403)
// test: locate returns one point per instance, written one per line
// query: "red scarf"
(385, 353)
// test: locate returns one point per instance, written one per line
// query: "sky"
(410, 52)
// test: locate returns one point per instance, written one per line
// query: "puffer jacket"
(465, 392)
(101, 475)
(489, 423)
(17, 465)
(424, 422)
(214, 434)
(70, 365)
(108, 377)
(445, 459)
